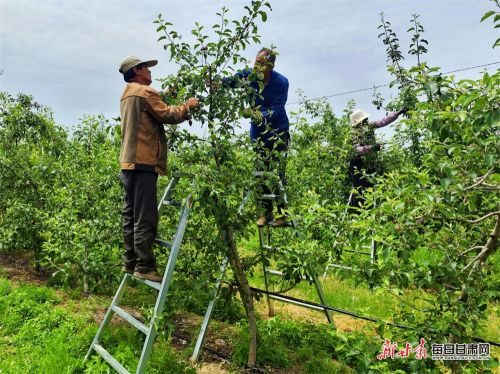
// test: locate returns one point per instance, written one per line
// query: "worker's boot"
(280, 221)
(265, 219)
(150, 275)
(128, 270)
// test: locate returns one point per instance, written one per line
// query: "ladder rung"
(287, 224)
(155, 285)
(340, 266)
(172, 203)
(133, 321)
(110, 359)
(268, 247)
(163, 243)
(269, 197)
(359, 252)
(277, 272)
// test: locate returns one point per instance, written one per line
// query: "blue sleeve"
(233, 80)
(277, 108)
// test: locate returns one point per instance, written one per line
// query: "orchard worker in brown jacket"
(143, 155)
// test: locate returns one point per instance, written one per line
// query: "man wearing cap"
(269, 126)
(143, 155)
(365, 150)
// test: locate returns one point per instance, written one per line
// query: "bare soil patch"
(19, 268)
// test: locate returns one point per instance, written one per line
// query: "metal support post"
(322, 298)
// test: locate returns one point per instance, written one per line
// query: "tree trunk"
(245, 291)
(489, 248)
(455, 366)
(85, 271)
(234, 258)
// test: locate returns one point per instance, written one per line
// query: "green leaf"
(487, 15)
(455, 332)
(491, 364)
(462, 115)
(469, 99)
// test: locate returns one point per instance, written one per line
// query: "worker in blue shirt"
(269, 126)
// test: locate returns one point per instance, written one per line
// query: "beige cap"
(131, 61)
(358, 116)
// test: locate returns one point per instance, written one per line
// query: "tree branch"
(404, 301)
(471, 249)
(485, 217)
(480, 180)
(490, 246)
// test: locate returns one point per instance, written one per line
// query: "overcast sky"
(66, 53)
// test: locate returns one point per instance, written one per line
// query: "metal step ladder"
(372, 247)
(148, 330)
(265, 245)
(273, 197)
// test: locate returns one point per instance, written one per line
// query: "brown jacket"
(144, 143)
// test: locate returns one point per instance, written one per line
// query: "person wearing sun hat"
(269, 129)
(143, 156)
(365, 149)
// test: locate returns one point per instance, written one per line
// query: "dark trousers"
(140, 219)
(271, 155)
(359, 181)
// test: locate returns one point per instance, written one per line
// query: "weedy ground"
(48, 330)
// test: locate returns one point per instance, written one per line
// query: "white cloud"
(66, 53)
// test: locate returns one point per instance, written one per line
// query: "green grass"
(342, 292)
(35, 328)
(47, 331)
(44, 331)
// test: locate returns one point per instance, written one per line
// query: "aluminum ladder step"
(358, 252)
(110, 359)
(130, 319)
(280, 273)
(175, 204)
(155, 285)
(269, 197)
